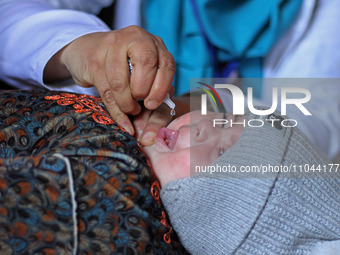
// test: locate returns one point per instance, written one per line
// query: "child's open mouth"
(168, 137)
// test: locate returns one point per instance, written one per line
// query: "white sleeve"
(310, 49)
(89, 6)
(31, 32)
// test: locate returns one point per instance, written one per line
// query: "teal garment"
(242, 30)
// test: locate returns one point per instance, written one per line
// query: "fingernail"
(148, 138)
(127, 129)
(139, 131)
(152, 104)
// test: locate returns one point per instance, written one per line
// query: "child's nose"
(204, 129)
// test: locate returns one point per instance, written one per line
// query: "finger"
(172, 91)
(144, 59)
(163, 81)
(117, 115)
(118, 78)
(140, 121)
(148, 137)
(158, 119)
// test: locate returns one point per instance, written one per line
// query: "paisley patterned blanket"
(73, 182)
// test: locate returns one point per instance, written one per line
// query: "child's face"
(190, 140)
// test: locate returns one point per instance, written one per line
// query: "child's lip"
(167, 137)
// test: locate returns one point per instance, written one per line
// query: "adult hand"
(100, 59)
(148, 123)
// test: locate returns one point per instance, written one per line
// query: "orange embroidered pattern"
(84, 103)
(155, 188)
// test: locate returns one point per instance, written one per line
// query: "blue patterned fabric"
(115, 208)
